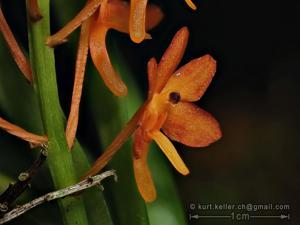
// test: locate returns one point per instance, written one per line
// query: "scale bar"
(282, 216)
(209, 217)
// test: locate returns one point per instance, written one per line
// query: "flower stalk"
(60, 162)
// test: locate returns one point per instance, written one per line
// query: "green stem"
(60, 160)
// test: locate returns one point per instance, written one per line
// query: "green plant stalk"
(59, 160)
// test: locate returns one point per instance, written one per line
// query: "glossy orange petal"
(191, 125)
(137, 20)
(102, 62)
(103, 9)
(33, 139)
(84, 14)
(191, 4)
(14, 48)
(172, 57)
(161, 120)
(152, 75)
(155, 113)
(138, 143)
(115, 14)
(81, 59)
(169, 150)
(142, 173)
(192, 79)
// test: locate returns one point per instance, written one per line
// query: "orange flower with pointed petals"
(138, 18)
(113, 14)
(168, 112)
(170, 109)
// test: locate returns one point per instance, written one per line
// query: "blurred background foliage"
(254, 95)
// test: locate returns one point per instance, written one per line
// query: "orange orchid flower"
(168, 112)
(138, 18)
(113, 14)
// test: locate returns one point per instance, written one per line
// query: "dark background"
(254, 96)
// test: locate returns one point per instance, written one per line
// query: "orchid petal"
(137, 20)
(192, 79)
(33, 139)
(169, 150)
(82, 53)
(191, 4)
(139, 143)
(142, 173)
(191, 125)
(171, 57)
(84, 14)
(115, 14)
(152, 76)
(102, 62)
(15, 49)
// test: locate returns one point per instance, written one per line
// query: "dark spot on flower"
(174, 97)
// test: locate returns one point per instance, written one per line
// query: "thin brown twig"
(83, 185)
(33, 139)
(16, 51)
(15, 190)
